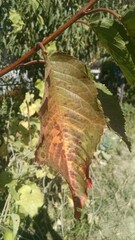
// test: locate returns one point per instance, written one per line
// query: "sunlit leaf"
(112, 35)
(25, 124)
(29, 97)
(30, 200)
(40, 173)
(40, 86)
(8, 235)
(51, 47)
(40, 20)
(71, 124)
(29, 107)
(16, 20)
(16, 223)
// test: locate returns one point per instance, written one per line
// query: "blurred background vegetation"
(109, 211)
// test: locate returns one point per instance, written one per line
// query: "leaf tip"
(79, 202)
(89, 183)
(78, 205)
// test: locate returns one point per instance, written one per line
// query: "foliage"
(37, 19)
(18, 177)
(110, 200)
(113, 36)
(22, 180)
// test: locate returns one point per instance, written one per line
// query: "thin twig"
(45, 41)
(107, 10)
(31, 62)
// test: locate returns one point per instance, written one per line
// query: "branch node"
(39, 45)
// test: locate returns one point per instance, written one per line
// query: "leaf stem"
(51, 37)
(107, 10)
(32, 62)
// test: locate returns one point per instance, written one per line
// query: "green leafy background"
(109, 211)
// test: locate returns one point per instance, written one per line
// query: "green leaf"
(72, 123)
(128, 20)
(28, 108)
(40, 173)
(34, 4)
(16, 223)
(51, 47)
(40, 86)
(29, 97)
(16, 20)
(112, 35)
(12, 189)
(8, 235)
(5, 178)
(30, 199)
(3, 150)
(103, 88)
(40, 20)
(113, 112)
(25, 124)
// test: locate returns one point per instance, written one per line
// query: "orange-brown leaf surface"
(71, 124)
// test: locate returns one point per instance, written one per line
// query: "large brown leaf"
(71, 124)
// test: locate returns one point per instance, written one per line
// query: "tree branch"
(51, 37)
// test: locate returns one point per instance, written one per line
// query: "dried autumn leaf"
(71, 124)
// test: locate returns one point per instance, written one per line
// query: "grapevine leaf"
(27, 196)
(113, 36)
(71, 124)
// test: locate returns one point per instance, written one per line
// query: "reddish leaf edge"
(79, 203)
